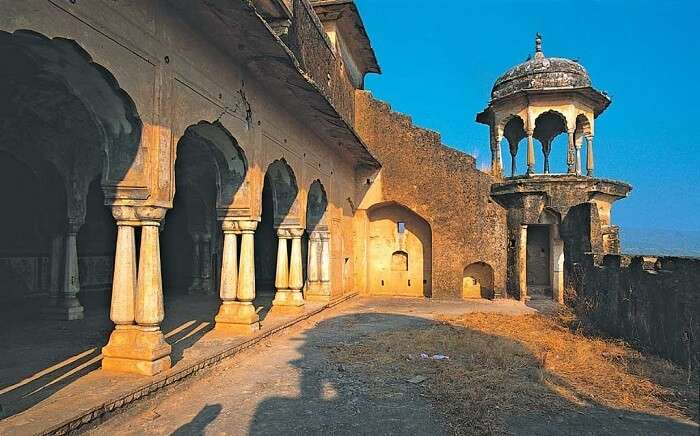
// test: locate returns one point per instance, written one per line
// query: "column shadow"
(200, 422)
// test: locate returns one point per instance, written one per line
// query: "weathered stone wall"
(443, 186)
(312, 49)
(651, 302)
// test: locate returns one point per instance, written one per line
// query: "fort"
(228, 150)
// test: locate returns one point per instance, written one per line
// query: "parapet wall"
(652, 302)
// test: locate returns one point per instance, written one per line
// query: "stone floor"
(289, 385)
(50, 369)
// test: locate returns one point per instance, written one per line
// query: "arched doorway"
(477, 281)
(399, 252)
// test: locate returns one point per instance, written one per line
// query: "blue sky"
(440, 58)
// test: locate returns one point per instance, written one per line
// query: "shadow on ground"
(354, 399)
(41, 355)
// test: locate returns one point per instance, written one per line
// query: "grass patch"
(502, 365)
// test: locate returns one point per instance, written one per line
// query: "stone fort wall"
(443, 186)
(650, 301)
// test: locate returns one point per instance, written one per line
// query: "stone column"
(522, 263)
(589, 157)
(496, 162)
(570, 154)
(56, 268)
(71, 307)
(196, 285)
(137, 346)
(205, 264)
(313, 271)
(530, 154)
(578, 159)
(289, 279)
(237, 314)
(326, 263)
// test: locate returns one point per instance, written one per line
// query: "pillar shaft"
(196, 284)
(229, 265)
(125, 277)
(56, 267)
(496, 161)
(578, 159)
(312, 271)
(325, 258)
(205, 263)
(522, 262)
(530, 154)
(72, 309)
(571, 154)
(296, 277)
(589, 157)
(282, 269)
(149, 295)
(246, 274)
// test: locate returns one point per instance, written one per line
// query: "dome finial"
(538, 46)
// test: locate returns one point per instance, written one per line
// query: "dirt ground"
(336, 374)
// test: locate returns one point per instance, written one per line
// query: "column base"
(64, 310)
(287, 302)
(237, 318)
(136, 350)
(317, 291)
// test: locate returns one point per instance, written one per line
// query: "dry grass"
(500, 365)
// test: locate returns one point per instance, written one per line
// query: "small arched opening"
(477, 281)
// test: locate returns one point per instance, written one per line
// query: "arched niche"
(477, 281)
(399, 254)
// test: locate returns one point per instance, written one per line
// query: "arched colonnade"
(67, 130)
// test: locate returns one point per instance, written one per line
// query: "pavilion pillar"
(571, 153)
(237, 314)
(496, 161)
(137, 344)
(530, 154)
(546, 149)
(589, 157)
(578, 159)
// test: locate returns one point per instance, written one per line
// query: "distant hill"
(660, 242)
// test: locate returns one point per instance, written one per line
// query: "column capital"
(247, 226)
(138, 215)
(230, 226)
(296, 233)
(325, 236)
(315, 235)
(283, 233)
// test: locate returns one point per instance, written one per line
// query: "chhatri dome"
(540, 99)
(541, 72)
